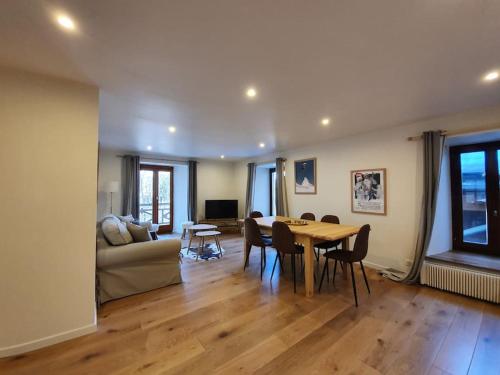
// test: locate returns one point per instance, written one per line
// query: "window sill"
(465, 258)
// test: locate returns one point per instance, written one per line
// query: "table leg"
(308, 265)
(190, 239)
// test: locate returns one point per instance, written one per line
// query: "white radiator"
(472, 283)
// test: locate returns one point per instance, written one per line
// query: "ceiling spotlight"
(251, 92)
(172, 129)
(222, 156)
(66, 22)
(325, 121)
(262, 145)
(491, 76)
(149, 148)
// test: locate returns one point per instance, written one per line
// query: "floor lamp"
(112, 187)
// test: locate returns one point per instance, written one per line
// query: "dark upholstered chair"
(332, 219)
(308, 216)
(254, 238)
(256, 215)
(283, 242)
(358, 253)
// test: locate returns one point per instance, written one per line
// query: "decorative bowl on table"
(295, 222)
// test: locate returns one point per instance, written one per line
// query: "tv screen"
(221, 209)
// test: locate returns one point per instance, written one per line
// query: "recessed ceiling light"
(149, 148)
(251, 92)
(491, 76)
(66, 22)
(325, 121)
(222, 156)
(172, 129)
(262, 145)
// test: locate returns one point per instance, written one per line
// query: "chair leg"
(325, 267)
(274, 266)
(262, 256)
(280, 260)
(327, 271)
(316, 253)
(354, 285)
(334, 272)
(247, 255)
(293, 271)
(364, 275)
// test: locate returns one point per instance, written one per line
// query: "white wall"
(215, 181)
(393, 237)
(48, 159)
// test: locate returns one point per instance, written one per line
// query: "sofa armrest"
(139, 252)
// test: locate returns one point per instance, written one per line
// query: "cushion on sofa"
(115, 231)
(139, 233)
(126, 219)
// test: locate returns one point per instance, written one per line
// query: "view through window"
(475, 171)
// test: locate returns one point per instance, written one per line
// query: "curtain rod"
(158, 159)
(450, 133)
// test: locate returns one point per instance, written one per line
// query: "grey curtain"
(130, 188)
(281, 200)
(192, 191)
(250, 188)
(433, 143)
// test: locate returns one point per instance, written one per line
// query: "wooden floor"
(223, 320)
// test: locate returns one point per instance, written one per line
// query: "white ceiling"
(367, 64)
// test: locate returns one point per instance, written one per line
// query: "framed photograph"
(368, 191)
(305, 176)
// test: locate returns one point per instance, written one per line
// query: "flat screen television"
(221, 209)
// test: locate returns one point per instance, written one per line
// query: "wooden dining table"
(308, 235)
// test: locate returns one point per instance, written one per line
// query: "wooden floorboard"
(222, 320)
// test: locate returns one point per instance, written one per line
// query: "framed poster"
(368, 191)
(305, 176)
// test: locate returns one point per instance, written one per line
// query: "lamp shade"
(112, 187)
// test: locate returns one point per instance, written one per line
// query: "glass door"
(156, 196)
(475, 171)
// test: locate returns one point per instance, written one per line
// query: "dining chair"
(331, 219)
(254, 238)
(308, 216)
(283, 242)
(255, 214)
(358, 253)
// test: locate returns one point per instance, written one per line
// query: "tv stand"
(223, 225)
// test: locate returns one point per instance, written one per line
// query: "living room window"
(156, 196)
(475, 191)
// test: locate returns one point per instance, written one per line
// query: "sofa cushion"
(115, 231)
(139, 233)
(127, 219)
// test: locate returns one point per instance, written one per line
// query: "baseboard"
(47, 341)
(375, 266)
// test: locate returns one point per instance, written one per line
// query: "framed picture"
(305, 176)
(368, 191)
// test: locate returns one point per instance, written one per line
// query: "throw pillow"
(139, 233)
(127, 219)
(116, 232)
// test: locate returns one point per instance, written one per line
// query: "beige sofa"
(136, 267)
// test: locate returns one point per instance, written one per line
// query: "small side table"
(198, 227)
(185, 228)
(206, 234)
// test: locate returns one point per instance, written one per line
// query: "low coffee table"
(195, 228)
(207, 234)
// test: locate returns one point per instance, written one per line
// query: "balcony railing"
(146, 212)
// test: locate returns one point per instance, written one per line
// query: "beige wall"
(393, 236)
(48, 159)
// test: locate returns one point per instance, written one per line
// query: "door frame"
(492, 193)
(163, 228)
